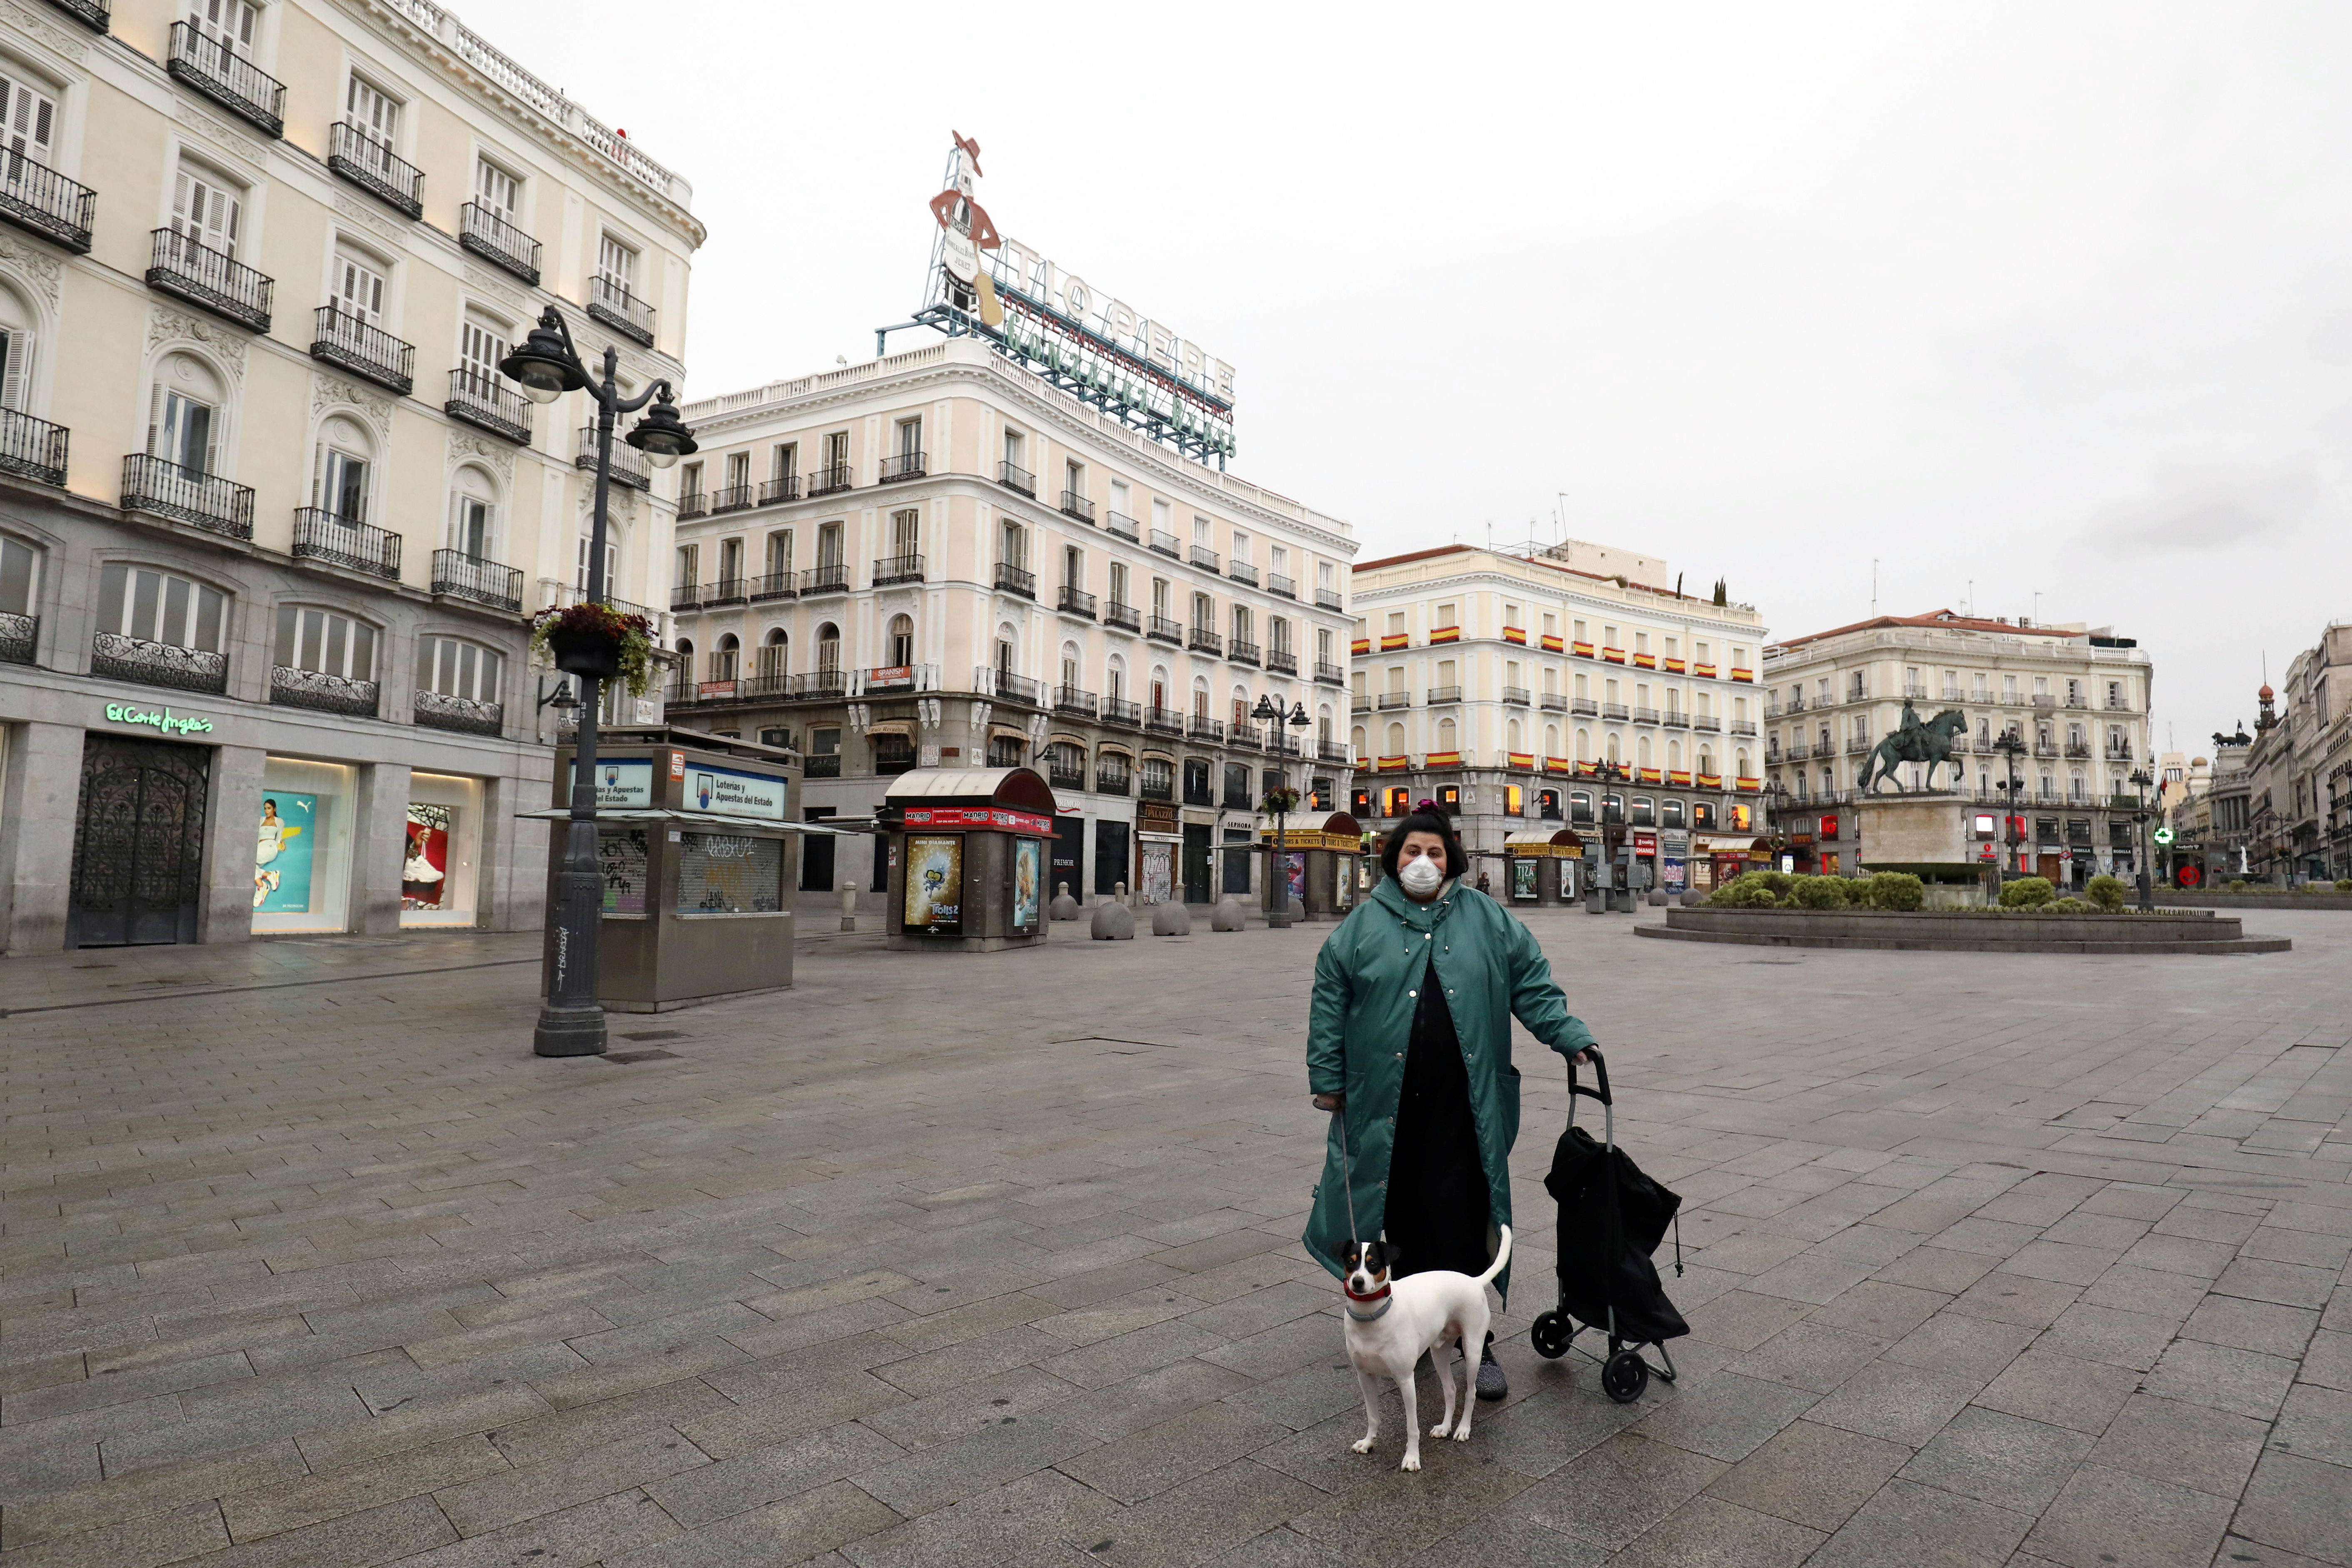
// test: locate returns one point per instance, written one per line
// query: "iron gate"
(139, 837)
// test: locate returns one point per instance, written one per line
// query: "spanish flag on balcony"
(1646, 662)
(1652, 775)
(1673, 666)
(1515, 634)
(1582, 650)
(1362, 646)
(1391, 641)
(1522, 759)
(1614, 655)
(1556, 765)
(1394, 765)
(1445, 633)
(1751, 787)
(1551, 642)
(1679, 776)
(1710, 781)
(1586, 770)
(1746, 675)
(1444, 760)
(1704, 671)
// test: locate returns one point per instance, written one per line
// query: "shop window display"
(442, 850)
(302, 847)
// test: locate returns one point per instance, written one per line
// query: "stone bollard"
(1064, 907)
(1114, 921)
(1170, 918)
(1228, 915)
(1657, 899)
(849, 906)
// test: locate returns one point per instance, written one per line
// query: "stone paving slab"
(1989, 1259)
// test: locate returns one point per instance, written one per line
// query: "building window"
(616, 265)
(775, 654)
(456, 667)
(325, 643)
(498, 192)
(207, 207)
(902, 641)
(473, 518)
(373, 115)
(182, 424)
(357, 290)
(340, 484)
(158, 607)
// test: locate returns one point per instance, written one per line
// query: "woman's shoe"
(1492, 1383)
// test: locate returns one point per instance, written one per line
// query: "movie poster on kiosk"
(935, 884)
(1523, 879)
(1028, 875)
(281, 853)
(1298, 873)
(425, 868)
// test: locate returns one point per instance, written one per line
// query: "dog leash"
(1347, 1188)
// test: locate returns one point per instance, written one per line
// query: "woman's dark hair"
(1425, 818)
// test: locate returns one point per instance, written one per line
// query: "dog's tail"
(1501, 1255)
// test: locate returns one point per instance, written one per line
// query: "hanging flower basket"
(1279, 800)
(596, 641)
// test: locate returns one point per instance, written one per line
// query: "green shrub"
(2237, 884)
(2106, 891)
(1778, 881)
(1819, 893)
(2069, 905)
(2344, 884)
(1750, 892)
(1899, 891)
(2025, 892)
(1858, 891)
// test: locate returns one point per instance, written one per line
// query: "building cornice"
(1415, 588)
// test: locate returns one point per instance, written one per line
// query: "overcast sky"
(2045, 299)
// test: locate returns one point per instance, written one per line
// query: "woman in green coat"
(1409, 1039)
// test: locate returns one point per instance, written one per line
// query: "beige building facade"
(2300, 767)
(938, 559)
(1504, 685)
(270, 518)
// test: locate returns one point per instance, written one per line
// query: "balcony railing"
(1074, 601)
(900, 465)
(32, 448)
(368, 163)
(1332, 673)
(731, 498)
(1705, 721)
(1119, 711)
(1119, 523)
(1915, 691)
(1204, 557)
(362, 348)
(179, 264)
(1519, 696)
(2122, 754)
(1240, 652)
(1438, 694)
(1241, 572)
(628, 463)
(89, 13)
(1853, 743)
(832, 579)
(319, 535)
(221, 74)
(35, 197)
(1014, 476)
(20, 638)
(1165, 543)
(498, 242)
(1796, 703)
(827, 766)
(199, 499)
(1201, 727)
(1112, 781)
(2119, 705)
(1332, 751)
(1388, 699)
(1201, 640)
(772, 585)
(1650, 716)
(1164, 720)
(1326, 599)
(1677, 718)
(1799, 751)
(1165, 630)
(1014, 580)
(1282, 661)
(692, 504)
(1738, 726)
(1008, 687)
(2081, 749)
(1277, 583)
(830, 479)
(439, 710)
(116, 658)
(1077, 506)
(1125, 616)
(1552, 702)
(774, 492)
(727, 591)
(327, 693)
(463, 576)
(613, 302)
(489, 402)
(1070, 699)
(1584, 707)
(897, 569)
(1245, 736)
(816, 685)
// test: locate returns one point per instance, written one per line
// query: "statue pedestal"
(1912, 832)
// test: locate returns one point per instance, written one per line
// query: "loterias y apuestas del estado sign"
(162, 718)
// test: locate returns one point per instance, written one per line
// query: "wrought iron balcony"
(1125, 616)
(1331, 673)
(897, 569)
(830, 479)
(2078, 749)
(1552, 702)
(199, 499)
(1246, 737)
(1201, 727)
(366, 350)
(32, 448)
(1519, 697)
(1119, 523)
(1204, 557)
(2120, 754)
(726, 591)
(613, 302)
(1677, 718)
(902, 466)
(1155, 786)
(1076, 600)
(1282, 661)
(89, 13)
(692, 504)
(38, 198)
(1772, 710)
(1332, 751)
(2119, 705)
(1438, 694)
(1799, 751)
(1201, 640)
(685, 597)
(832, 579)
(1796, 703)
(816, 685)
(1008, 687)
(1077, 506)
(772, 585)
(774, 492)
(1014, 476)
(1014, 580)
(1165, 543)
(1650, 716)
(1328, 599)
(322, 536)
(113, 657)
(628, 463)
(1277, 583)
(1119, 711)
(327, 693)
(1389, 700)
(371, 165)
(1163, 721)
(470, 577)
(1914, 691)
(1070, 699)
(179, 265)
(1163, 630)
(1705, 721)
(498, 242)
(1584, 707)
(827, 766)
(1359, 702)
(1241, 651)
(20, 638)
(731, 498)
(487, 402)
(1853, 743)
(439, 710)
(1738, 726)
(1241, 572)
(221, 74)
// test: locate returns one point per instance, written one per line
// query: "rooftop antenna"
(1970, 611)
(2037, 606)
(1873, 585)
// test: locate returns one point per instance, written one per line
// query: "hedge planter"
(2223, 898)
(1932, 930)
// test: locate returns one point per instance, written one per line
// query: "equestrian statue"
(1929, 743)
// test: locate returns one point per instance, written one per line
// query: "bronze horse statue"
(1930, 743)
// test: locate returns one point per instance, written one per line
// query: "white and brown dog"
(1391, 1326)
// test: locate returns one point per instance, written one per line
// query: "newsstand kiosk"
(1543, 866)
(1322, 872)
(968, 858)
(701, 860)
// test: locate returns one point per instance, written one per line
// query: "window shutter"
(15, 362)
(155, 414)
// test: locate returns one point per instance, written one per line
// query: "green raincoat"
(1367, 983)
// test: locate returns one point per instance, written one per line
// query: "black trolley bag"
(1611, 1218)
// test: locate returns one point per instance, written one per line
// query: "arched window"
(17, 349)
(828, 648)
(725, 656)
(1613, 746)
(1743, 761)
(1584, 745)
(1201, 697)
(1675, 756)
(1445, 733)
(457, 680)
(1323, 723)
(775, 654)
(323, 660)
(1551, 740)
(473, 514)
(1070, 667)
(902, 640)
(1115, 678)
(1642, 752)
(1706, 761)
(343, 471)
(1356, 738)
(1159, 691)
(1514, 733)
(1396, 742)
(685, 660)
(170, 614)
(186, 415)
(20, 566)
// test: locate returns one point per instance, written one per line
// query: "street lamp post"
(1613, 831)
(2140, 779)
(572, 1020)
(2012, 746)
(1269, 712)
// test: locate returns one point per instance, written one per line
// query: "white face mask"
(1420, 877)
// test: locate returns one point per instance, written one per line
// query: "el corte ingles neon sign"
(171, 723)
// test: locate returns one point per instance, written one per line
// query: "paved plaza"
(948, 1262)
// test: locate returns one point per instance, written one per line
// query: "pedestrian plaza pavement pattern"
(946, 1261)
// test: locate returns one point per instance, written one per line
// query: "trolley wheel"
(1549, 1335)
(1624, 1375)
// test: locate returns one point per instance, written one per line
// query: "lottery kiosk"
(1322, 855)
(968, 858)
(1543, 868)
(700, 854)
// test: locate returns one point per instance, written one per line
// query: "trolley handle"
(1600, 1071)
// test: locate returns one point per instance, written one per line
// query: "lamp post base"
(569, 1032)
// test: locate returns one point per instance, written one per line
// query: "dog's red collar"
(1353, 1296)
(1380, 1295)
